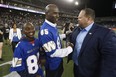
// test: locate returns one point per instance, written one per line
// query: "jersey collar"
(50, 23)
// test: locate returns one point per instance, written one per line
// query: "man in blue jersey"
(26, 55)
(51, 43)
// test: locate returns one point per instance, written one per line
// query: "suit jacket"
(97, 57)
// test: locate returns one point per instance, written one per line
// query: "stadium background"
(22, 11)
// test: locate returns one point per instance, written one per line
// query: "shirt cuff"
(62, 52)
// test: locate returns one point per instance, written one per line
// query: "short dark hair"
(89, 12)
(26, 25)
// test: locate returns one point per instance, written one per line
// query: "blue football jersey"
(26, 57)
(50, 41)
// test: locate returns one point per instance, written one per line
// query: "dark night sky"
(102, 7)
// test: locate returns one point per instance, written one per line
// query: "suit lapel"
(76, 32)
(87, 38)
(74, 35)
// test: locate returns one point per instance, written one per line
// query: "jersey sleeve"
(52, 45)
(17, 62)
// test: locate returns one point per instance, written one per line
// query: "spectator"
(1, 41)
(14, 36)
(68, 28)
(6, 30)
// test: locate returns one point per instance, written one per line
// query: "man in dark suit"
(94, 52)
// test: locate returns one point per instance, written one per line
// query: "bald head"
(50, 7)
(52, 13)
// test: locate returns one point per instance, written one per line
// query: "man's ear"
(47, 13)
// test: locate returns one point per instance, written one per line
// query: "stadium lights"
(70, 0)
(76, 3)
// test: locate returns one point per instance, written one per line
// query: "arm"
(62, 52)
(19, 33)
(63, 31)
(10, 36)
(51, 46)
(108, 61)
(17, 64)
(62, 36)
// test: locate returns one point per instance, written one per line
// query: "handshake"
(70, 44)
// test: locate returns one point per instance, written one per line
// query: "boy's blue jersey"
(26, 57)
(50, 41)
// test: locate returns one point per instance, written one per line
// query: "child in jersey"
(26, 55)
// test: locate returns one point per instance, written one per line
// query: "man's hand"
(68, 32)
(70, 44)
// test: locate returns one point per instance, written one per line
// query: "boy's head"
(29, 30)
